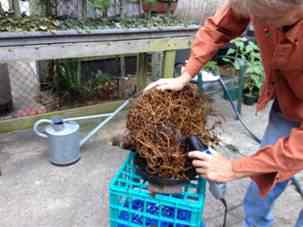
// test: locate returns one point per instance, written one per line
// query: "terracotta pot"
(159, 7)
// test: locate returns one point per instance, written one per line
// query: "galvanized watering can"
(63, 140)
(63, 136)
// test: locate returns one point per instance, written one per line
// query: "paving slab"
(34, 193)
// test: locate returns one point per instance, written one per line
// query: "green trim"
(141, 71)
(169, 61)
(27, 122)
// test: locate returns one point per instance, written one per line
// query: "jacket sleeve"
(217, 31)
(274, 163)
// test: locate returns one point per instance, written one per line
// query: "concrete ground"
(34, 193)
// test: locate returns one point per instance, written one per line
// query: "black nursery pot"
(249, 99)
(140, 167)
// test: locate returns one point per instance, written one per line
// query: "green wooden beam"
(169, 61)
(170, 44)
(97, 58)
(141, 71)
(27, 122)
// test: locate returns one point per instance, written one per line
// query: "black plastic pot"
(140, 167)
(249, 99)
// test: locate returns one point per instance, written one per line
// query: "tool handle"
(216, 189)
(195, 144)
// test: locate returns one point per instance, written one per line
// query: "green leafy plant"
(244, 51)
(212, 66)
(96, 83)
(255, 78)
(68, 83)
(102, 5)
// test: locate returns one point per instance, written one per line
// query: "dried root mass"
(159, 121)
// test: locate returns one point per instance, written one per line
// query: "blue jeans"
(257, 209)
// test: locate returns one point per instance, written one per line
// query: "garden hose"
(294, 180)
(236, 111)
(225, 211)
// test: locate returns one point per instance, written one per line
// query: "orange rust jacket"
(282, 55)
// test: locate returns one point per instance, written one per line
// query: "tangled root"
(159, 121)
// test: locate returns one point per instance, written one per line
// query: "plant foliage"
(101, 4)
(68, 82)
(244, 51)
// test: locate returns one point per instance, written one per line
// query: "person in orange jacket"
(278, 28)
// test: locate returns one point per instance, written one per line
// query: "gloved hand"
(174, 84)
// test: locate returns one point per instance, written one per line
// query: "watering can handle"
(36, 125)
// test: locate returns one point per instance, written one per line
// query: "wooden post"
(156, 65)
(10, 5)
(1, 10)
(16, 7)
(141, 71)
(169, 60)
(122, 57)
(84, 8)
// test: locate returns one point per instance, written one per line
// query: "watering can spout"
(56, 122)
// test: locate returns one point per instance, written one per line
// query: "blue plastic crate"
(131, 204)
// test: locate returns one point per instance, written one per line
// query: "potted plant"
(240, 50)
(101, 5)
(159, 6)
(212, 66)
(245, 51)
(253, 82)
(233, 58)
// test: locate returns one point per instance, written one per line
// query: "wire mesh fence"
(33, 88)
(22, 90)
